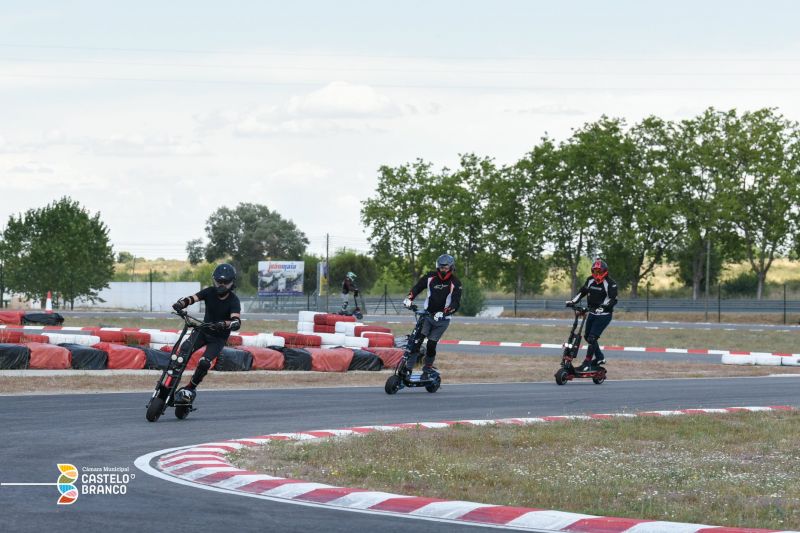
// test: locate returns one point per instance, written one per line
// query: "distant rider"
(348, 286)
(601, 293)
(223, 310)
(444, 298)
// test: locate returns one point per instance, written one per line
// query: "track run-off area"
(99, 433)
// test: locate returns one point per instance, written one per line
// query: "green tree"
(761, 185)
(310, 263)
(472, 298)
(251, 233)
(515, 228)
(399, 215)
(195, 251)
(345, 261)
(640, 206)
(59, 248)
(124, 257)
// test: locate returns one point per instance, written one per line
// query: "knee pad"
(592, 339)
(204, 364)
(431, 349)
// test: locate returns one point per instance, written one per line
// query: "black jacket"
(598, 295)
(441, 292)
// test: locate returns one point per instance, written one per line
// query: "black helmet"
(224, 278)
(445, 261)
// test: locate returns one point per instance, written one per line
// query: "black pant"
(197, 340)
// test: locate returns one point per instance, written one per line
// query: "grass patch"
(736, 470)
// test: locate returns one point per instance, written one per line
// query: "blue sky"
(157, 113)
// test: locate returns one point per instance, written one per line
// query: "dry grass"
(736, 470)
(455, 367)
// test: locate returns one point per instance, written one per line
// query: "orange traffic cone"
(48, 306)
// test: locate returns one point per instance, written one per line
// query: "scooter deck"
(415, 380)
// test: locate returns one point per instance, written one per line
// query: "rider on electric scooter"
(444, 297)
(348, 286)
(223, 310)
(601, 293)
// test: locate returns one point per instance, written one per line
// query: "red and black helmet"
(599, 270)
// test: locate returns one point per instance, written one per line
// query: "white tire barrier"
(61, 338)
(307, 316)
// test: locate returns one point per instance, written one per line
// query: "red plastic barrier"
(379, 339)
(358, 330)
(390, 356)
(332, 360)
(136, 338)
(320, 319)
(11, 317)
(299, 340)
(318, 328)
(331, 319)
(234, 340)
(49, 356)
(121, 356)
(11, 335)
(30, 337)
(265, 358)
(117, 337)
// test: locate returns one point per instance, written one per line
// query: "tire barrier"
(27, 337)
(358, 330)
(265, 358)
(14, 356)
(233, 360)
(330, 360)
(47, 319)
(86, 358)
(121, 356)
(49, 356)
(364, 360)
(296, 359)
(61, 338)
(378, 340)
(10, 336)
(11, 318)
(389, 356)
(234, 340)
(155, 359)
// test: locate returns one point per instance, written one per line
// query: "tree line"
(721, 186)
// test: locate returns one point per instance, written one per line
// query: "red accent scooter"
(567, 372)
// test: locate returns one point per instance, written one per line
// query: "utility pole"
(328, 268)
(708, 268)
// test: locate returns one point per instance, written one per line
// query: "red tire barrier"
(330, 360)
(318, 328)
(13, 318)
(234, 340)
(10, 336)
(49, 356)
(331, 320)
(390, 356)
(116, 337)
(299, 340)
(121, 356)
(358, 330)
(136, 338)
(30, 337)
(265, 358)
(379, 340)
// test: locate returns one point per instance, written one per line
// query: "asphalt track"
(96, 430)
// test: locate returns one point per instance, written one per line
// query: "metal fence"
(392, 304)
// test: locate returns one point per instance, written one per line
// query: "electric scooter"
(403, 376)
(567, 372)
(167, 385)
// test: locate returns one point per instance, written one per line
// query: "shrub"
(472, 298)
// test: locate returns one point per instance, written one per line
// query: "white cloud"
(32, 167)
(133, 145)
(546, 109)
(343, 100)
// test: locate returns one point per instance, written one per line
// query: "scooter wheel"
(155, 409)
(182, 411)
(433, 387)
(600, 377)
(561, 377)
(393, 384)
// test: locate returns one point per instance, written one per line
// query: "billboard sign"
(280, 278)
